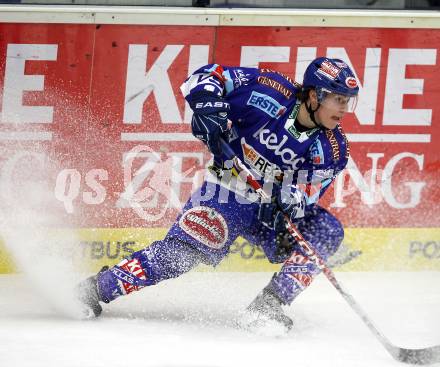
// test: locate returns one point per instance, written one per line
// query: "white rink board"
(218, 17)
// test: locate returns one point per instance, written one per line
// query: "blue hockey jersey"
(263, 106)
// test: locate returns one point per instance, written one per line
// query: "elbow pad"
(204, 103)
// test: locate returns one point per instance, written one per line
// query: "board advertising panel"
(95, 112)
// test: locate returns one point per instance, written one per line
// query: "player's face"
(333, 108)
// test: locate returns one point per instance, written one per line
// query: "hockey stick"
(422, 356)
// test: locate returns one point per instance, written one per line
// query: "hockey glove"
(209, 129)
(292, 202)
(289, 201)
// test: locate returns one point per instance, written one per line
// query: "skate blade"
(86, 312)
(259, 324)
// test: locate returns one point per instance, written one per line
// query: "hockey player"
(290, 137)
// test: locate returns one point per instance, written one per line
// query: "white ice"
(190, 322)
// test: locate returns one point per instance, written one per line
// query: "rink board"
(76, 115)
(383, 249)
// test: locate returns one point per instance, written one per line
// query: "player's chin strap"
(420, 356)
(311, 112)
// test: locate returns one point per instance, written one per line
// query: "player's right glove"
(209, 129)
(290, 201)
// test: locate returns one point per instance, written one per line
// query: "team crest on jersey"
(266, 104)
(258, 162)
(240, 78)
(205, 225)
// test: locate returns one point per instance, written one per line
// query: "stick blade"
(424, 356)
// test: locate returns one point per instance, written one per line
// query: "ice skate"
(265, 315)
(88, 296)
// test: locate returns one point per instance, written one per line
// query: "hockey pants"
(210, 222)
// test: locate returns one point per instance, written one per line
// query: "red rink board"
(96, 80)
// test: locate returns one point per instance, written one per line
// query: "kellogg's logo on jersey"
(266, 104)
(272, 142)
(205, 225)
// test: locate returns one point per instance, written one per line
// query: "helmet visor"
(337, 102)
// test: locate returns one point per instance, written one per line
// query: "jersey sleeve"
(204, 90)
(326, 158)
(208, 79)
(253, 94)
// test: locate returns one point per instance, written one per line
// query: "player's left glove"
(209, 129)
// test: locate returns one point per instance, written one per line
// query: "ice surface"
(190, 322)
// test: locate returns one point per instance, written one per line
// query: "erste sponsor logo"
(267, 104)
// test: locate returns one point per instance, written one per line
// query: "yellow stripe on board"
(389, 249)
(394, 248)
